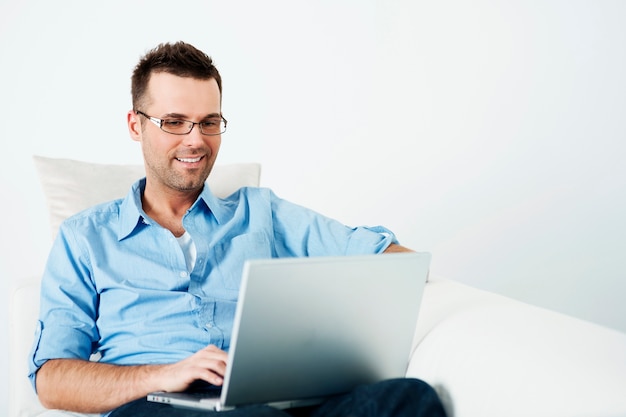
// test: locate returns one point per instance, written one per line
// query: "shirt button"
(209, 326)
(184, 274)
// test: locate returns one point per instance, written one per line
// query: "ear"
(134, 125)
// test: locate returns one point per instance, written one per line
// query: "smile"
(189, 160)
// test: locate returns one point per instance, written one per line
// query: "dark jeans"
(391, 398)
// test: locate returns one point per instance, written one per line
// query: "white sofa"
(485, 354)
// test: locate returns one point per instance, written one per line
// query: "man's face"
(177, 162)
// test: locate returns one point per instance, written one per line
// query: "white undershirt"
(189, 250)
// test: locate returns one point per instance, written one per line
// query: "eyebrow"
(185, 117)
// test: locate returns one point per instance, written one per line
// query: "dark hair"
(180, 59)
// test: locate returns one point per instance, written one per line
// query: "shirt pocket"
(232, 254)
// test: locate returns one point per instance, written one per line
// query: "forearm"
(90, 387)
(395, 248)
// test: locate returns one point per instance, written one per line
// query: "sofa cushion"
(501, 357)
(71, 186)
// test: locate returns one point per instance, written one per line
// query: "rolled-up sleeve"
(300, 231)
(66, 327)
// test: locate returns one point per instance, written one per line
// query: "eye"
(173, 123)
(214, 121)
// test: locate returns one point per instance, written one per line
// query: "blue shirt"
(116, 282)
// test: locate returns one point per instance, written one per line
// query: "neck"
(167, 207)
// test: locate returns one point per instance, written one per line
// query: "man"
(150, 282)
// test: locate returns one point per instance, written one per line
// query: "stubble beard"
(188, 182)
(180, 181)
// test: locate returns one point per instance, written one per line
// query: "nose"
(195, 137)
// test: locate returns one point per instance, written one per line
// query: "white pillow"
(71, 186)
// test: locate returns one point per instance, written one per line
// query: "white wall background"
(490, 133)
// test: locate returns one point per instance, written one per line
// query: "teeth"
(189, 159)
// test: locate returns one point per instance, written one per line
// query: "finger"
(212, 360)
(214, 350)
(210, 376)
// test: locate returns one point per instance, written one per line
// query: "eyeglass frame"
(159, 122)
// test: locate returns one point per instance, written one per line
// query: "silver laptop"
(309, 328)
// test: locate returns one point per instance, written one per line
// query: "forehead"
(168, 93)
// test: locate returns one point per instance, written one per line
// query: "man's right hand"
(208, 364)
(92, 387)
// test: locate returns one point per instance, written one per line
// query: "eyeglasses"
(211, 126)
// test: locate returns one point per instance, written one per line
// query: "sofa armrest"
(23, 318)
(488, 355)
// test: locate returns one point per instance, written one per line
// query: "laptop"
(309, 328)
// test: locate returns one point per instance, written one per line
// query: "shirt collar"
(132, 214)
(215, 205)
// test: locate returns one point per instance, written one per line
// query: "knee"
(412, 385)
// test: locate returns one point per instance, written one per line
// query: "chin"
(185, 184)
(195, 186)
